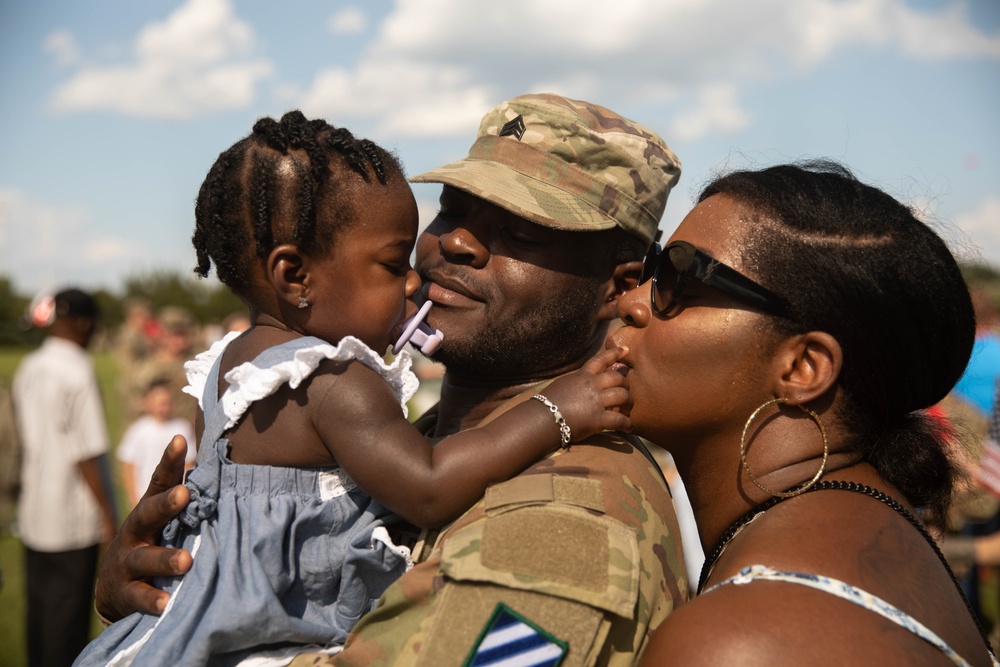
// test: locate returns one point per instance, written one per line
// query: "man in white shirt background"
(66, 508)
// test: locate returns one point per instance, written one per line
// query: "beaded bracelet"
(564, 432)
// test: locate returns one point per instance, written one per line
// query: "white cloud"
(44, 246)
(348, 21)
(436, 65)
(108, 249)
(948, 34)
(944, 34)
(717, 112)
(62, 45)
(678, 40)
(396, 93)
(982, 226)
(198, 60)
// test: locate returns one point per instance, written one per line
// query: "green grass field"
(12, 602)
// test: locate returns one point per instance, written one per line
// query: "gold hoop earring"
(805, 486)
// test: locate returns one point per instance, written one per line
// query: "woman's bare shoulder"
(706, 631)
(773, 623)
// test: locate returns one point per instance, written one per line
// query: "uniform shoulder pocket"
(548, 534)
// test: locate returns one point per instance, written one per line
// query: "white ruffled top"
(249, 383)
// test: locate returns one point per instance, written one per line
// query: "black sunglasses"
(671, 268)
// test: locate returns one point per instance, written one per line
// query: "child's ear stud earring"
(303, 302)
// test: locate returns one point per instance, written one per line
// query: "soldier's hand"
(134, 556)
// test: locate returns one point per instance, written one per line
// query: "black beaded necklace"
(723, 541)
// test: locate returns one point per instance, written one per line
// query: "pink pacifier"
(420, 334)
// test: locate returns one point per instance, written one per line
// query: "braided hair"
(276, 186)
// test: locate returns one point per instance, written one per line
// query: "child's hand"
(596, 397)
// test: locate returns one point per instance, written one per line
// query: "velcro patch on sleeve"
(511, 640)
(550, 549)
(534, 489)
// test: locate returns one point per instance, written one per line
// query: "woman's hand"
(134, 556)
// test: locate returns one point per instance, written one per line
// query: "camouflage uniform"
(167, 363)
(567, 164)
(584, 545)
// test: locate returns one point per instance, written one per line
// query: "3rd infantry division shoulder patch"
(510, 640)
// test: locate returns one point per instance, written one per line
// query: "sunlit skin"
(705, 369)
(696, 376)
(704, 364)
(491, 276)
(363, 287)
(482, 275)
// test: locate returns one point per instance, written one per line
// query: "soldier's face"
(513, 298)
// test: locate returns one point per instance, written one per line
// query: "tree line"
(207, 300)
(210, 301)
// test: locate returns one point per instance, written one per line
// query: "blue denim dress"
(283, 557)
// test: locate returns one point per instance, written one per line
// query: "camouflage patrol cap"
(567, 164)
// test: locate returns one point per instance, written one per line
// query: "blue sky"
(113, 110)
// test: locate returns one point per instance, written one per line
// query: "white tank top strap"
(850, 593)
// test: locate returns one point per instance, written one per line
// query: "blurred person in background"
(174, 346)
(969, 405)
(10, 460)
(238, 321)
(66, 507)
(142, 444)
(976, 509)
(977, 384)
(133, 343)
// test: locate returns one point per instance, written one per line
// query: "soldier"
(541, 229)
(133, 344)
(173, 348)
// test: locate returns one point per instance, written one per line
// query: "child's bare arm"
(429, 486)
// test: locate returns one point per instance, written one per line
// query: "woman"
(783, 345)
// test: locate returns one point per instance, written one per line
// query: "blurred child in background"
(142, 444)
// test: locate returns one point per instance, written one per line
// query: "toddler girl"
(305, 450)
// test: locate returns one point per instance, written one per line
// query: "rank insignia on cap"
(514, 128)
(511, 640)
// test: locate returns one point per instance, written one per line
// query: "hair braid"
(261, 193)
(374, 155)
(216, 234)
(268, 188)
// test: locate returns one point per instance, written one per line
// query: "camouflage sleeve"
(578, 559)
